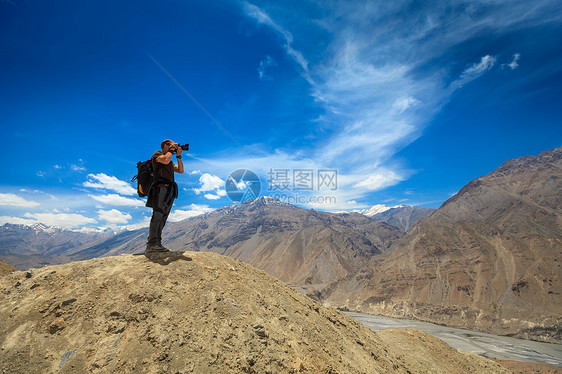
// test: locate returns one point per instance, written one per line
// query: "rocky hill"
(489, 259)
(5, 268)
(402, 217)
(194, 313)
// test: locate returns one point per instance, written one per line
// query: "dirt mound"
(5, 268)
(194, 312)
(518, 367)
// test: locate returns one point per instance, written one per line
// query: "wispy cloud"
(77, 167)
(514, 64)
(381, 82)
(10, 199)
(380, 180)
(261, 17)
(474, 71)
(264, 64)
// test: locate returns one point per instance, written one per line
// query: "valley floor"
(496, 347)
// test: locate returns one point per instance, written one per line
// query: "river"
(487, 345)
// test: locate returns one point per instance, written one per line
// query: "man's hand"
(179, 167)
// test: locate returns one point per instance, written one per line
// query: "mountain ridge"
(25, 246)
(488, 259)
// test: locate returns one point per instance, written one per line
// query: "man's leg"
(162, 222)
(159, 215)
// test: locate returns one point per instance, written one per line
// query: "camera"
(184, 147)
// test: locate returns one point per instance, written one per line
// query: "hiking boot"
(151, 248)
(161, 248)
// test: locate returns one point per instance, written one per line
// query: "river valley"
(487, 345)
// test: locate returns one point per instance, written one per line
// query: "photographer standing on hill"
(163, 195)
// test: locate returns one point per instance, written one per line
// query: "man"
(162, 196)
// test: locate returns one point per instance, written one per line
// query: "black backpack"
(145, 177)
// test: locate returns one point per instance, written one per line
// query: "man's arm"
(165, 159)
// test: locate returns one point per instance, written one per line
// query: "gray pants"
(160, 211)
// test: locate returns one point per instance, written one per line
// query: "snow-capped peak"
(44, 228)
(376, 209)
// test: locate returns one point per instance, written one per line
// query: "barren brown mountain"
(194, 313)
(305, 248)
(5, 268)
(489, 259)
(402, 217)
(37, 245)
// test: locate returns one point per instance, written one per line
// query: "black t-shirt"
(165, 171)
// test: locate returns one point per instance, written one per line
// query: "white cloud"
(108, 182)
(211, 196)
(11, 199)
(193, 211)
(261, 17)
(514, 64)
(380, 180)
(113, 216)
(114, 199)
(211, 183)
(145, 222)
(471, 73)
(79, 166)
(377, 79)
(264, 64)
(241, 185)
(405, 103)
(67, 220)
(17, 220)
(476, 70)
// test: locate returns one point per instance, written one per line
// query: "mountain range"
(305, 248)
(33, 246)
(26, 246)
(488, 259)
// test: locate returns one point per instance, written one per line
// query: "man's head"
(165, 145)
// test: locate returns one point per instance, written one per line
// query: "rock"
(259, 330)
(67, 356)
(56, 325)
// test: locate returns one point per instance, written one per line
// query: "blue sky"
(407, 101)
